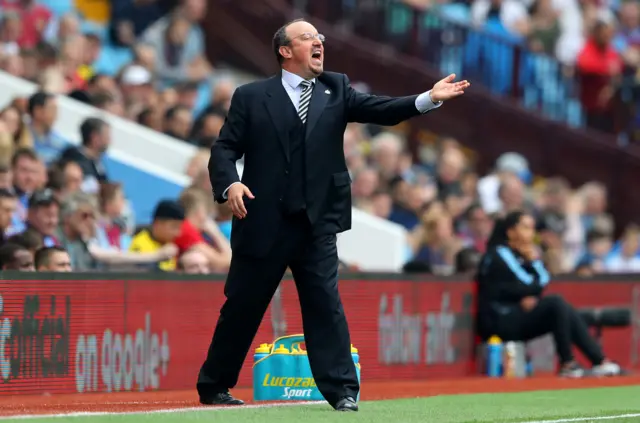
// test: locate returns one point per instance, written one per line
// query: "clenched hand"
(235, 197)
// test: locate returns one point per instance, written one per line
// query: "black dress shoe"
(222, 398)
(346, 404)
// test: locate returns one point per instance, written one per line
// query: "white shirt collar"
(292, 79)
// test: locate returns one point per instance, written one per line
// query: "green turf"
(483, 408)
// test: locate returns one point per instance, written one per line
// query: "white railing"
(373, 244)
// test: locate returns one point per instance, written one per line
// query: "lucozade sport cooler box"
(281, 371)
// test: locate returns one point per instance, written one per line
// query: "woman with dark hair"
(511, 305)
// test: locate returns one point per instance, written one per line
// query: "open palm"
(447, 88)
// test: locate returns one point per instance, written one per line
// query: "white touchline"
(586, 419)
(160, 411)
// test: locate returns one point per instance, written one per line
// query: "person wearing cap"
(136, 84)
(168, 219)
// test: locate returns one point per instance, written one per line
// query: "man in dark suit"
(294, 197)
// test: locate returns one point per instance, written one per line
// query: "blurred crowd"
(448, 209)
(576, 61)
(140, 60)
(145, 61)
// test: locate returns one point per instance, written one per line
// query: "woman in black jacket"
(511, 305)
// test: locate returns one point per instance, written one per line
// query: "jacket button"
(286, 172)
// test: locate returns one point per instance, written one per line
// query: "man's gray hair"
(74, 201)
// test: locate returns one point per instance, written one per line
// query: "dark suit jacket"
(257, 128)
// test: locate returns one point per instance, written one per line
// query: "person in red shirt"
(35, 18)
(197, 221)
(598, 67)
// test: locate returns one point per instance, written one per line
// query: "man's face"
(83, 222)
(26, 174)
(103, 139)
(7, 208)
(181, 123)
(44, 218)
(166, 230)
(305, 51)
(59, 261)
(72, 177)
(47, 114)
(22, 260)
(195, 263)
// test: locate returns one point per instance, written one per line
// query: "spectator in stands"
(34, 18)
(43, 111)
(221, 94)
(626, 260)
(136, 84)
(434, 241)
(24, 165)
(30, 239)
(90, 54)
(488, 186)
(511, 194)
(62, 28)
(15, 257)
(403, 210)
(42, 216)
(168, 218)
(152, 118)
(107, 102)
(594, 197)
(365, 183)
(198, 223)
(194, 262)
(386, 148)
(513, 306)
(467, 260)
(476, 227)
(15, 125)
(177, 122)
(129, 19)
(96, 138)
(180, 44)
(77, 229)
(8, 205)
(52, 259)
(450, 167)
(10, 30)
(112, 205)
(598, 246)
(599, 67)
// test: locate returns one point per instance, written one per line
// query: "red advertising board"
(69, 336)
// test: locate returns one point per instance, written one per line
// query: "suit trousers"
(250, 285)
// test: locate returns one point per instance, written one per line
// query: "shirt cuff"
(424, 102)
(224, 194)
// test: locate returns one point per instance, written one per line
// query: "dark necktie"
(305, 100)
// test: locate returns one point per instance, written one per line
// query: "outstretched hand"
(446, 88)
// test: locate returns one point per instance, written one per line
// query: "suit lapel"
(277, 101)
(319, 99)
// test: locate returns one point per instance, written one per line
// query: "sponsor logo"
(122, 361)
(283, 381)
(296, 393)
(36, 344)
